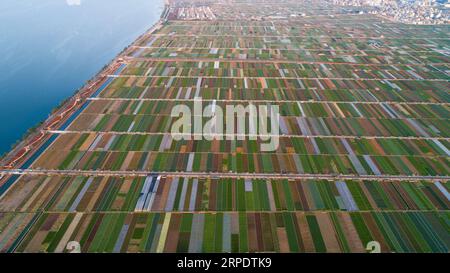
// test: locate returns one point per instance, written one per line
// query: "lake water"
(50, 48)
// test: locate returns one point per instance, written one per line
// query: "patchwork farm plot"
(237, 232)
(363, 154)
(166, 194)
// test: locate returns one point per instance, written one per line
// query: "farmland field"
(363, 150)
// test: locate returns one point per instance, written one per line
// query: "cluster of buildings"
(195, 13)
(426, 12)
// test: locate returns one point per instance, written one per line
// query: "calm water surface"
(49, 48)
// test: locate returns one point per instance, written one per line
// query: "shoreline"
(36, 137)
